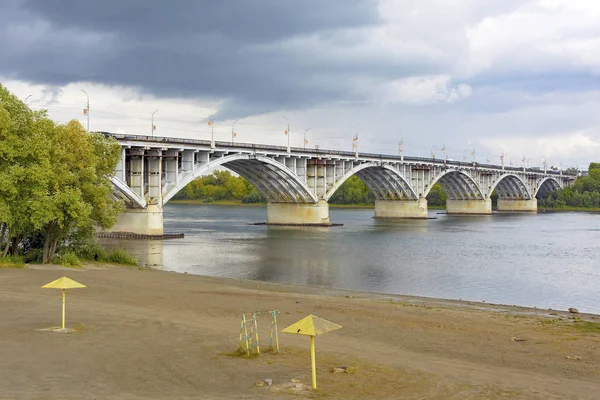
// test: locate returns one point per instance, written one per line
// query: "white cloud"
(423, 90)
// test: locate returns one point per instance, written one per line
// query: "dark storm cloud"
(232, 50)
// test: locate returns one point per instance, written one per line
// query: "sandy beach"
(146, 334)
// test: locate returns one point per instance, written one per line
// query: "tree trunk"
(46, 244)
(15, 246)
(54, 243)
(6, 248)
(2, 232)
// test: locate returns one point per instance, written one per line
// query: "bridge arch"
(385, 182)
(548, 184)
(276, 182)
(457, 184)
(510, 186)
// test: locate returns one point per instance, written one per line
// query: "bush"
(12, 262)
(253, 197)
(67, 258)
(120, 256)
(209, 200)
(91, 251)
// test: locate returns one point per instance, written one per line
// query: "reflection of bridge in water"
(298, 183)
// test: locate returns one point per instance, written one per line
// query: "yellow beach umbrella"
(312, 326)
(63, 283)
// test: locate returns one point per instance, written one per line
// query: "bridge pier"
(469, 207)
(143, 221)
(510, 205)
(298, 213)
(411, 209)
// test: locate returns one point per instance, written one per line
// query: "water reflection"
(149, 253)
(545, 260)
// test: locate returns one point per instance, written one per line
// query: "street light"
(233, 134)
(86, 111)
(153, 127)
(305, 141)
(355, 144)
(545, 163)
(212, 128)
(443, 149)
(26, 98)
(464, 154)
(401, 148)
(432, 147)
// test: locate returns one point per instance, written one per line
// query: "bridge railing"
(322, 152)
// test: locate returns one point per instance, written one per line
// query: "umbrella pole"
(312, 361)
(64, 295)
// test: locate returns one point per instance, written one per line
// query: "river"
(546, 260)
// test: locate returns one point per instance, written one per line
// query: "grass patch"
(587, 326)
(241, 352)
(68, 259)
(120, 256)
(12, 262)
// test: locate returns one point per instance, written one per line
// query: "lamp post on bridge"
(153, 126)
(211, 123)
(401, 148)
(502, 159)
(233, 134)
(443, 149)
(86, 110)
(26, 98)
(305, 141)
(355, 144)
(431, 151)
(545, 164)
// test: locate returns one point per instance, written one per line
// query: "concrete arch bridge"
(298, 183)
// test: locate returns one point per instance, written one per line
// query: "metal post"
(502, 159)
(287, 132)
(256, 333)
(305, 141)
(26, 98)
(233, 130)
(64, 295)
(355, 144)
(432, 154)
(443, 148)
(312, 362)
(153, 127)
(401, 149)
(87, 109)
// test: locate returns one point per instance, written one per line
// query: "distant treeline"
(223, 186)
(219, 186)
(585, 193)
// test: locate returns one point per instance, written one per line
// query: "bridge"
(298, 182)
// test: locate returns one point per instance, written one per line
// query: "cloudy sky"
(519, 76)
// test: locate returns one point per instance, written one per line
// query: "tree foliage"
(54, 179)
(585, 192)
(221, 185)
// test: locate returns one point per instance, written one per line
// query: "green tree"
(54, 179)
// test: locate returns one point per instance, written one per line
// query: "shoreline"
(143, 333)
(365, 206)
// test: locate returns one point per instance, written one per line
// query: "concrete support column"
(415, 209)
(154, 177)
(171, 169)
(136, 175)
(469, 207)
(147, 221)
(510, 205)
(298, 214)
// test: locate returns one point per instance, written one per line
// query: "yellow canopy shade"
(311, 326)
(63, 283)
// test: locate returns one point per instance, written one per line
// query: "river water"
(546, 260)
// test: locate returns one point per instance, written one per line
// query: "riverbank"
(146, 334)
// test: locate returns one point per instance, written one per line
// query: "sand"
(145, 334)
